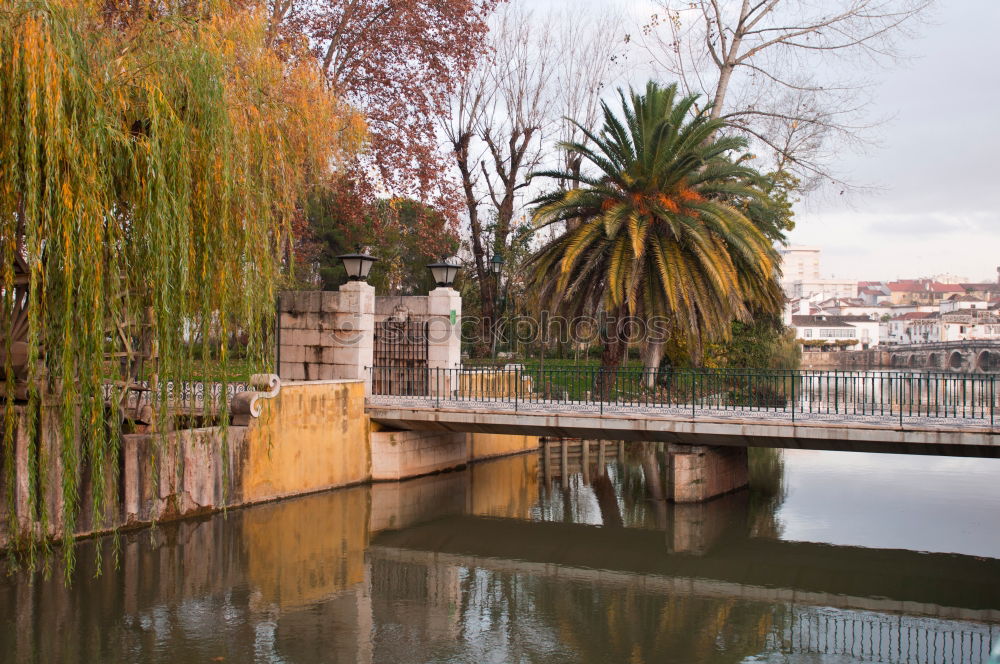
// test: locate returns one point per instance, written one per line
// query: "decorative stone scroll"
(247, 405)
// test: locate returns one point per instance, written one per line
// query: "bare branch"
(745, 55)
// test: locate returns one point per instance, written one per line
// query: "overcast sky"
(937, 205)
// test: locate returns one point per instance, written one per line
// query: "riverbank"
(298, 438)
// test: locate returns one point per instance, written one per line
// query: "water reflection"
(564, 556)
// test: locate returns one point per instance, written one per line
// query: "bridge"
(965, 356)
(926, 413)
(874, 605)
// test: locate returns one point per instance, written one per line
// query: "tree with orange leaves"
(397, 62)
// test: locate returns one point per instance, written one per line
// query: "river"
(829, 557)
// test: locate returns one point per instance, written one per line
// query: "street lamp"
(444, 272)
(496, 268)
(357, 265)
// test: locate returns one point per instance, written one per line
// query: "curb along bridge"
(935, 413)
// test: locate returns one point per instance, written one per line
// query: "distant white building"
(963, 303)
(798, 263)
(923, 327)
(847, 306)
(818, 290)
(970, 325)
(913, 327)
(827, 332)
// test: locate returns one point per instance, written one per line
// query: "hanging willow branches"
(149, 168)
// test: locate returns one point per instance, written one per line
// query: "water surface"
(831, 557)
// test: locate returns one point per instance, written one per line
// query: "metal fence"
(186, 394)
(401, 348)
(882, 395)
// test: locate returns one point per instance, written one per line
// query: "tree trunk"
(485, 279)
(614, 351)
(652, 355)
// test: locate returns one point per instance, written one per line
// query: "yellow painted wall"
(485, 445)
(312, 436)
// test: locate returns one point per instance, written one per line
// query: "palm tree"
(662, 230)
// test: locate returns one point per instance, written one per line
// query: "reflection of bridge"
(891, 605)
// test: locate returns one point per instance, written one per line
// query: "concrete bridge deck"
(778, 428)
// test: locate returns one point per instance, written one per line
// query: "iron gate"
(400, 357)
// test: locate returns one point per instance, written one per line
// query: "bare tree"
(500, 118)
(783, 71)
(517, 122)
(470, 102)
(509, 115)
(591, 63)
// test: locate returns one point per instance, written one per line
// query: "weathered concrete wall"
(396, 455)
(400, 454)
(701, 472)
(486, 445)
(180, 474)
(312, 436)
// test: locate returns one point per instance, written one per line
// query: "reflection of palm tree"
(652, 471)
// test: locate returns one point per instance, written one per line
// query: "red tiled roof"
(989, 287)
(923, 285)
(819, 321)
(916, 315)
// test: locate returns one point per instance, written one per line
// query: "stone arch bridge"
(956, 356)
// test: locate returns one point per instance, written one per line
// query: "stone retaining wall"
(307, 437)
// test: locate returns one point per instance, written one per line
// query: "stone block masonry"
(701, 472)
(326, 335)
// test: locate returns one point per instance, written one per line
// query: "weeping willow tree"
(150, 164)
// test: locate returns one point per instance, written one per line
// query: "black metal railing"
(849, 394)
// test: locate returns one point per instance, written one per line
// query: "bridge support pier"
(702, 472)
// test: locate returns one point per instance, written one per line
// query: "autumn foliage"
(396, 62)
(152, 159)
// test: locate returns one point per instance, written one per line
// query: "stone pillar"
(444, 339)
(353, 333)
(701, 472)
(326, 335)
